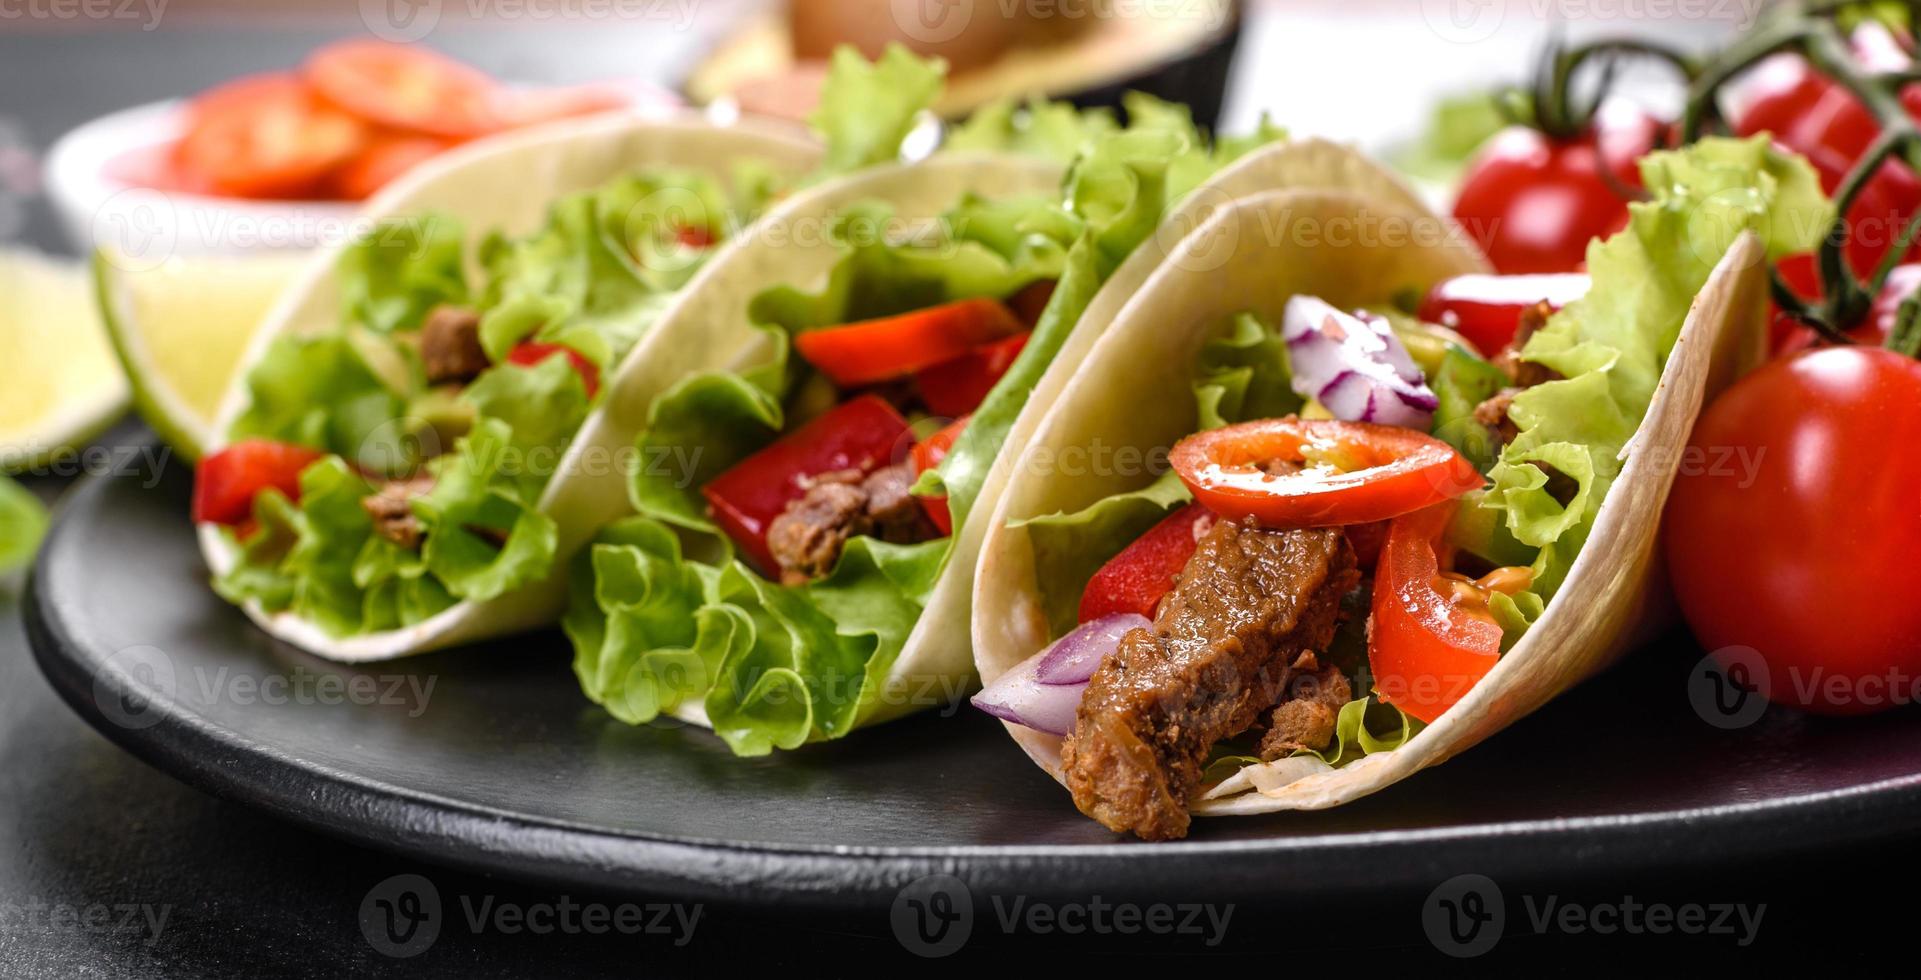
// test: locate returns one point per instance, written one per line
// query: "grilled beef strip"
(1305, 720)
(1522, 375)
(450, 345)
(1250, 605)
(807, 538)
(391, 508)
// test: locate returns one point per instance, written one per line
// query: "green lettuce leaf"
(400, 269)
(867, 110)
(23, 522)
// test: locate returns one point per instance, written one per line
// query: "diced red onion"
(1044, 691)
(1073, 658)
(1354, 365)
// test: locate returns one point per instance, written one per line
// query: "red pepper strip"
(1031, 301)
(860, 434)
(871, 351)
(957, 387)
(1486, 308)
(927, 454)
(1386, 471)
(1426, 646)
(1135, 580)
(227, 482)
(529, 353)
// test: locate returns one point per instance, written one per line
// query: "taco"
(812, 574)
(433, 419)
(1280, 544)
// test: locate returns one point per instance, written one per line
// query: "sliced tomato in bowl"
(385, 158)
(265, 136)
(405, 87)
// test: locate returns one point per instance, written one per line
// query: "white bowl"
(145, 225)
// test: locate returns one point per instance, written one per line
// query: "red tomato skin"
(381, 161)
(1136, 579)
(1425, 652)
(859, 434)
(927, 454)
(1486, 309)
(529, 353)
(226, 483)
(406, 87)
(264, 137)
(1535, 203)
(1788, 337)
(1795, 531)
(956, 387)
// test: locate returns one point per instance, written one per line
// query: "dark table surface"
(110, 869)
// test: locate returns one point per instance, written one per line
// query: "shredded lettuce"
(23, 522)
(783, 666)
(391, 276)
(867, 110)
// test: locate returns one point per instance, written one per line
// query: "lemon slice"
(59, 383)
(180, 329)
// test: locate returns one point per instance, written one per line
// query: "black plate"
(503, 767)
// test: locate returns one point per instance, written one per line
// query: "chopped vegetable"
(1486, 308)
(893, 347)
(227, 482)
(1044, 691)
(1354, 365)
(1135, 580)
(956, 387)
(264, 136)
(405, 87)
(927, 454)
(1426, 647)
(528, 353)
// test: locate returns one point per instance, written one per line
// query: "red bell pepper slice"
(1385, 471)
(1429, 639)
(1135, 580)
(927, 454)
(1032, 299)
(529, 353)
(956, 387)
(1486, 308)
(871, 351)
(227, 482)
(860, 434)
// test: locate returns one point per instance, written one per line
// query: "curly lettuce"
(23, 522)
(775, 667)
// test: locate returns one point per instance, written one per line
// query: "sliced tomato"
(954, 388)
(384, 158)
(406, 87)
(1330, 472)
(927, 454)
(529, 353)
(532, 106)
(1136, 580)
(226, 483)
(893, 347)
(1426, 648)
(1486, 308)
(694, 236)
(264, 136)
(860, 434)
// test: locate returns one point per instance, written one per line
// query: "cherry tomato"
(1136, 579)
(927, 454)
(863, 353)
(384, 158)
(1425, 646)
(1486, 309)
(226, 483)
(1354, 472)
(529, 353)
(1794, 528)
(264, 136)
(1534, 203)
(1789, 336)
(405, 87)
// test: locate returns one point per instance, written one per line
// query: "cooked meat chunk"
(391, 508)
(450, 345)
(1221, 651)
(1305, 720)
(808, 536)
(1525, 374)
(1493, 414)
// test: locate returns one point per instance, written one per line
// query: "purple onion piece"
(1017, 696)
(1354, 365)
(1073, 658)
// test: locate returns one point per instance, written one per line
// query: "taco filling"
(1373, 511)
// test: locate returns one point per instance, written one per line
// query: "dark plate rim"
(475, 837)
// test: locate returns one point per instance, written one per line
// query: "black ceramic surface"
(489, 759)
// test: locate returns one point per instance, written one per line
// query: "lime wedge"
(180, 329)
(23, 522)
(59, 384)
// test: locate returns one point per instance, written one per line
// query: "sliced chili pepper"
(1136, 580)
(1426, 646)
(1291, 472)
(956, 387)
(871, 351)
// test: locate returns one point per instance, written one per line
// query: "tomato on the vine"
(1534, 202)
(1793, 529)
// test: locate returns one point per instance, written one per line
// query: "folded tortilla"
(1135, 390)
(506, 185)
